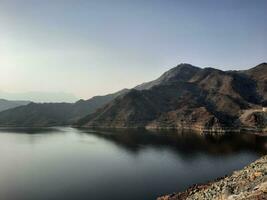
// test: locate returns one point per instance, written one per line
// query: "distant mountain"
(53, 114)
(36, 96)
(191, 98)
(6, 104)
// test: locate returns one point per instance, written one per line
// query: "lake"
(64, 163)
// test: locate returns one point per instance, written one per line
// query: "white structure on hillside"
(264, 109)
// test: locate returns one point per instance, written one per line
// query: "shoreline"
(249, 183)
(196, 129)
(199, 129)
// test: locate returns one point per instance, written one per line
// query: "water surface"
(72, 164)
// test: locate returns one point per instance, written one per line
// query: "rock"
(249, 183)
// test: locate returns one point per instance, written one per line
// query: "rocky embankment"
(249, 183)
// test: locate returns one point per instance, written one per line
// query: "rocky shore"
(249, 183)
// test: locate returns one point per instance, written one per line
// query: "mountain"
(259, 74)
(53, 114)
(36, 96)
(183, 73)
(6, 104)
(189, 97)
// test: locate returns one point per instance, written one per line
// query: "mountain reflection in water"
(187, 143)
(63, 163)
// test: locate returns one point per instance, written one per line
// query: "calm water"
(67, 163)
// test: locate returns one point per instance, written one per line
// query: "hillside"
(187, 97)
(53, 114)
(259, 74)
(7, 104)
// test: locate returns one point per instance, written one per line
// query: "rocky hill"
(188, 97)
(53, 114)
(249, 183)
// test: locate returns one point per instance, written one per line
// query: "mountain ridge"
(8, 104)
(187, 97)
(184, 97)
(53, 114)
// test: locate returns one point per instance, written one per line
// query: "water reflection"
(63, 163)
(33, 130)
(187, 143)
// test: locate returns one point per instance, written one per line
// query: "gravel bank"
(249, 183)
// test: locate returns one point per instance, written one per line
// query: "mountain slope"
(6, 104)
(182, 72)
(53, 114)
(184, 97)
(259, 75)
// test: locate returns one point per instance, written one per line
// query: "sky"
(84, 48)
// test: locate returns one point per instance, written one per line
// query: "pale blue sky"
(96, 47)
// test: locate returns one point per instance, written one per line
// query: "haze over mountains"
(6, 104)
(53, 114)
(186, 96)
(36, 96)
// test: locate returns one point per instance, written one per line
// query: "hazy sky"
(96, 47)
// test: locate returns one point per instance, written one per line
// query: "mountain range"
(39, 96)
(189, 97)
(185, 97)
(53, 114)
